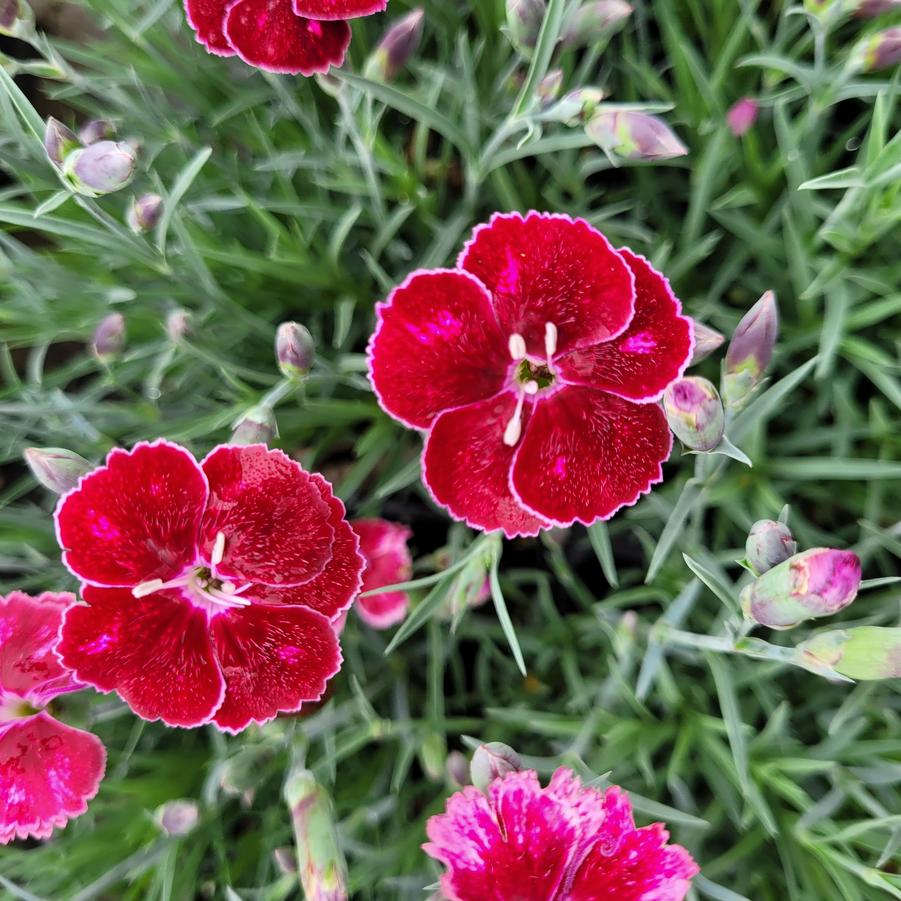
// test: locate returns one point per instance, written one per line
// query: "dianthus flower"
(565, 842)
(383, 544)
(535, 367)
(48, 771)
(210, 588)
(296, 38)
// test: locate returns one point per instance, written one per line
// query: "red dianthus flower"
(48, 771)
(565, 842)
(535, 367)
(211, 589)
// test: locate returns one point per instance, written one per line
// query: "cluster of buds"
(594, 23)
(863, 653)
(695, 413)
(750, 352)
(93, 167)
(396, 47)
(492, 761)
(634, 135)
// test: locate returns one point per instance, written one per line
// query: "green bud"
(492, 761)
(769, 544)
(56, 468)
(864, 653)
(256, 426)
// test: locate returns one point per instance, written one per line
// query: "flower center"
(12, 707)
(530, 376)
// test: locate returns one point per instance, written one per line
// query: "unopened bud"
(769, 544)
(59, 141)
(457, 769)
(294, 350)
(144, 213)
(109, 337)
(397, 47)
(750, 351)
(96, 130)
(869, 9)
(634, 135)
(742, 116)
(576, 108)
(549, 86)
(864, 653)
(823, 9)
(101, 168)
(178, 325)
(256, 426)
(595, 22)
(695, 412)
(433, 755)
(524, 21)
(879, 51)
(492, 761)
(814, 583)
(286, 860)
(177, 818)
(320, 863)
(56, 468)
(16, 18)
(707, 340)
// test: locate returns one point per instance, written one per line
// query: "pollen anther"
(517, 345)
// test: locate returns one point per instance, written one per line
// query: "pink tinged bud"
(256, 426)
(865, 653)
(144, 213)
(707, 340)
(742, 116)
(868, 9)
(16, 18)
(397, 46)
(695, 412)
(457, 769)
(549, 86)
(101, 168)
(815, 583)
(576, 108)
(524, 21)
(56, 468)
(320, 863)
(286, 860)
(109, 337)
(769, 544)
(294, 350)
(178, 325)
(633, 135)
(880, 51)
(596, 22)
(750, 351)
(96, 130)
(492, 761)
(59, 141)
(177, 818)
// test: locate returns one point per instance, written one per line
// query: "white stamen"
(550, 340)
(228, 587)
(218, 552)
(530, 387)
(145, 588)
(517, 345)
(513, 432)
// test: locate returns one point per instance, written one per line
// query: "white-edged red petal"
(388, 561)
(338, 9)
(207, 18)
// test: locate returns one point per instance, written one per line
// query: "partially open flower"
(634, 135)
(56, 468)
(492, 761)
(863, 653)
(750, 351)
(812, 584)
(769, 544)
(695, 412)
(383, 545)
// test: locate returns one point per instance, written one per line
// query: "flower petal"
(274, 659)
(154, 651)
(338, 9)
(48, 773)
(134, 519)
(267, 34)
(388, 560)
(436, 346)
(586, 453)
(551, 268)
(207, 18)
(272, 514)
(654, 350)
(334, 589)
(466, 467)
(29, 629)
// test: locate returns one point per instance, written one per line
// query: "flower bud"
(634, 135)
(814, 583)
(96, 130)
(769, 544)
(433, 755)
(109, 337)
(177, 818)
(101, 168)
(879, 51)
(178, 325)
(823, 9)
(59, 141)
(16, 18)
(524, 21)
(457, 769)
(56, 468)
(549, 86)
(286, 860)
(750, 351)
(707, 340)
(144, 213)
(695, 412)
(864, 653)
(294, 350)
(256, 426)
(742, 116)
(490, 762)
(869, 9)
(320, 863)
(576, 108)
(396, 47)
(595, 22)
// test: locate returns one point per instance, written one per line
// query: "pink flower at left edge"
(211, 589)
(48, 770)
(388, 561)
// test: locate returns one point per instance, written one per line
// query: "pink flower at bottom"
(388, 561)
(566, 842)
(48, 771)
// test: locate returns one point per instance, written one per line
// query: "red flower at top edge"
(565, 842)
(210, 588)
(48, 771)
(534, 367)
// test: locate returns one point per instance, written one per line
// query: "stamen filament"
(218, 552)
(513, 432)
(550, 341)
(152, 586)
